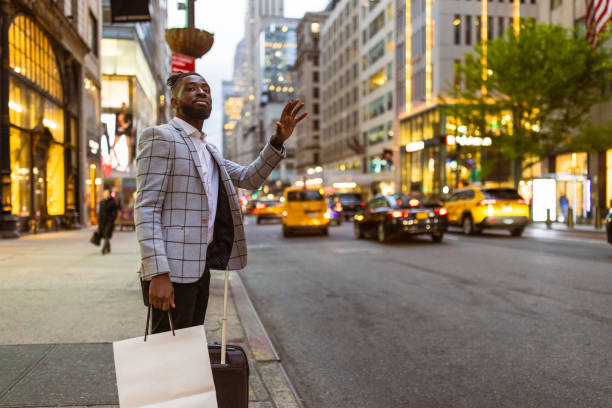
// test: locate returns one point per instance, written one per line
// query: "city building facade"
(343, 149)
(378, 92)
(432, 39)
(232, 112)
(135, 65)
(584, 178)
(308, 75)
(49, 101)
(262, 74)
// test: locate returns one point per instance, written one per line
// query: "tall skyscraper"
(307, 76)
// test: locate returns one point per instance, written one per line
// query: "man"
(188, 219)
(106, 224)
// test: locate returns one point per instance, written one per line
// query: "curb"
(267, 360)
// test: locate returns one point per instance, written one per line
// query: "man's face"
(192, 97)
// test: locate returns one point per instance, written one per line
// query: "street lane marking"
(356, 250)
(451, 237)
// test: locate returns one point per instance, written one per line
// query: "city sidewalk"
(560, 231)
(63, 304)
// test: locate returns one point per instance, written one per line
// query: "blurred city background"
(484, 127)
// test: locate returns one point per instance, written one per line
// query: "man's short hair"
(174, 79)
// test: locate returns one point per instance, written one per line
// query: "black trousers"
(191, 301)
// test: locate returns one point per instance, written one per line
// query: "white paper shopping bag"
(165, 371)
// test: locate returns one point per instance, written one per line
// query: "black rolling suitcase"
(230, 367)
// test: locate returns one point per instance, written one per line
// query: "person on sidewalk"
(108, 211)
(187, 216)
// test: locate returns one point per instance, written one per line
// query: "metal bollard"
(570, 217)
(548, 221)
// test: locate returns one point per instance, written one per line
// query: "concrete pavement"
(64, 304)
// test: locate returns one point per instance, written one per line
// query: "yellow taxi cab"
(478, 208)
(304, 210)
(268, 210)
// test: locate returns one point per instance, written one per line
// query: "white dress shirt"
(209, 171)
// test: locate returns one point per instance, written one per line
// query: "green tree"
(544, 80)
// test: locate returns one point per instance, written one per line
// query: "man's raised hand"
(289, 119)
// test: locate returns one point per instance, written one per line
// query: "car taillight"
(441, 211)
(397, 214)
(414, 202)
(362, 205)
(523, 201)
(284, 213)
(487, 202)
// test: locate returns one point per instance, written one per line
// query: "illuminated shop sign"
(468, 141)
(415, 146)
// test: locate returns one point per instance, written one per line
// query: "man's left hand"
(289, 119)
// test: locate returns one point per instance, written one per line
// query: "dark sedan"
(389, 216)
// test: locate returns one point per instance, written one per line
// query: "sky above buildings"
(226, 22)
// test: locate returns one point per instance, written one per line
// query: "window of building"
(376, 52)
(468, 30)
(315, 108)
(456, 74)
(315, 76)
(457, 29)
(92, 35)
(377, 24)
(500, 26)
(315, 124)
(35, 102)
(478, 32)
(378, 79)
(490, 28)
(376, 135)
(315, 92)
(555, 3)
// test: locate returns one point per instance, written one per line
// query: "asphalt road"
(484, 321)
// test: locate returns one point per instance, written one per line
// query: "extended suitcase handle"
(224, 321)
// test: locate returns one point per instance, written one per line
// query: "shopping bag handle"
(149, 320)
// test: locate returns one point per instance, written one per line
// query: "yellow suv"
(478, 208)
(304, 210)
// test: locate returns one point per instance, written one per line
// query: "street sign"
(182, 63)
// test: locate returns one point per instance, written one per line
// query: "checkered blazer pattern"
(171, 208)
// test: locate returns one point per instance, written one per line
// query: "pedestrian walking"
(187, 215)
(108, 211)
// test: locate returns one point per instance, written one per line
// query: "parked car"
(351, 203)
(268, 210)
(609, 226)
(334, 208)
(477, 208)
(388, 216)
(304, 210)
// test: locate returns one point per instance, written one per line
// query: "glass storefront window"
(31, 55)
(36, 123)
(20, 172)
(55, 180)
(572, 163)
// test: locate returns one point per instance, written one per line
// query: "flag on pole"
(598, 13)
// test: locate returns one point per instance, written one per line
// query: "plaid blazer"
(171, 208)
